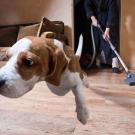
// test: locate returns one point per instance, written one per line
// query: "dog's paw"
(86, 82)
(83, 115)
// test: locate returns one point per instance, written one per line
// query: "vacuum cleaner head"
(130, 79)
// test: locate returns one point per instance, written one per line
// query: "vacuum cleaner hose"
(93, 46)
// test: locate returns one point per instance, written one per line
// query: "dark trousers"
(103, 46)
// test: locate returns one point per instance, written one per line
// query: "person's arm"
(111, 13)
(88, 5)
(88, 8)
(111, 18)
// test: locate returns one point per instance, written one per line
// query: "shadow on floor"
(125, 99)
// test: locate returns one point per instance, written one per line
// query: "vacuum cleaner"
(130, 78)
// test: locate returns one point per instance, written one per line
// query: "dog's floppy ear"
(57, 64)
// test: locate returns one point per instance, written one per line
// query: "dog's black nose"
(2, 82)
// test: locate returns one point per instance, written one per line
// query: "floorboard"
(111, 104)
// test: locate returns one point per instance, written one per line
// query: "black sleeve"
(111, 13)
(88, 8)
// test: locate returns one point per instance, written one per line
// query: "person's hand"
(106, 34)
(94, 21)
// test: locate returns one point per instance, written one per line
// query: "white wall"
(60, 10)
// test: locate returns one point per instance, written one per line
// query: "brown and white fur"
(34, 59)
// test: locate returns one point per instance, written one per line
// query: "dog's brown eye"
(28, 62)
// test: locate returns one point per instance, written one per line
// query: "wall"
(127, 48)
(29, 11)
(60, 10)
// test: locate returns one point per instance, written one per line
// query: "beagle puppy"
(34, 59)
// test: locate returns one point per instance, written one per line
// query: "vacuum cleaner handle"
(115, 51)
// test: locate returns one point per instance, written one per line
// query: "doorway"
(82, 25)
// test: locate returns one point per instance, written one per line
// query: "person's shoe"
(115, 70)
(115, 65)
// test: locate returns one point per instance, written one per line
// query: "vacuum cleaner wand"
(130, 79)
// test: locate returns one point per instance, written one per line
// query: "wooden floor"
(39, 112)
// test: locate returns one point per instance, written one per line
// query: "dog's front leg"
(81, 109)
